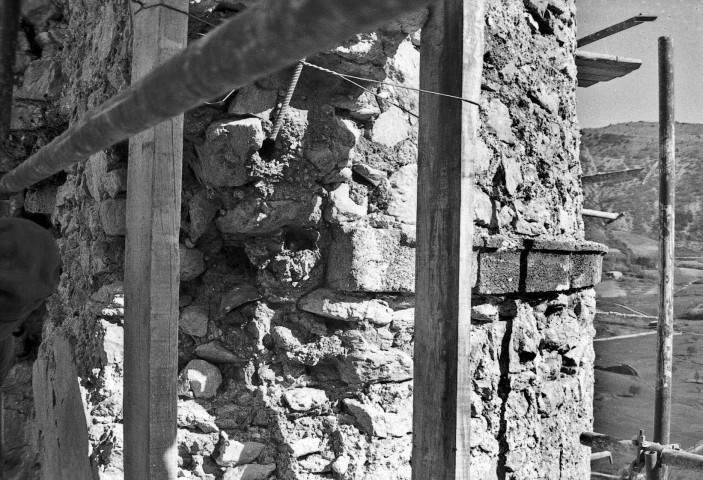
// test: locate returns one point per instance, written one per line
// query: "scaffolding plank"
(598, 67)
(152, 263)
(451, 61)
(613, 29)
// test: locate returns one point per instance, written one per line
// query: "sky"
(634, 97)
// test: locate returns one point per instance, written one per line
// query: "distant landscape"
(625, 343)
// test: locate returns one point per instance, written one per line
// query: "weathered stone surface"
(114, 182)
(217, 353)
(40, 201)
(338, 306)
(484, 313)
(95, 168)
(341, 465)
(368, 365)
(192, 415)
(342, 208)
(391, 127)
(253, 100)
(203, 378)
(234, 453)
(38, 12)
(403, 201)
(498, 121)
(305, 446)
(113, 216)
(255, 216)
(371, 418)
(372, 175)
(194, 320)
(305, 399)
(202, 211)
(250, 472)
(230, 147)
(42, 81)
(238, 296)
(192, 263)
(371, 260)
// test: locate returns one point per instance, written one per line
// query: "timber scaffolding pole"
(265, 38)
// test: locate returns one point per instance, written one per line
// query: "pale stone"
(498, 121)
(305, 399)
(42, 81)
(513, 174)
(113, 216)
(234, 453)
(114, 182)
(255, 216)
(203, 378)
(202, 211)
(230, 147)
(391, 127)
(95, 168)
(250, 472)
(483, 208)
(40, 201)
(403, 202)
(305, 446)
(342, 208)
(340, 465)
(484, 313)
(38, 12)
(194, 320)
(371, 418)
(314, 463)
(192, 263)
(337, 306)
(193, 415)
(372, 366)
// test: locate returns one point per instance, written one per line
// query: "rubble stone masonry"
(297, 263)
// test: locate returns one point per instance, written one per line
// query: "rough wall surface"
(297, 262)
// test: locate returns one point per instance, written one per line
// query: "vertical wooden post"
(451, 61)
(9, 25)
(152, 264)
(667, 187)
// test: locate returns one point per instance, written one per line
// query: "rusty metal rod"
(668, 456)
(265, 38)
(9, 25)
(612, 216)
(667, 185)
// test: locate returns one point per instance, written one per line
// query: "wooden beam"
(451, 61)
(152, 264)
(599, 67)
(9, 25)
(267, 37)
(613, 29)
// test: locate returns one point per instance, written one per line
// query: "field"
(624, 397)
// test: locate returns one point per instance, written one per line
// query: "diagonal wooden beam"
(152, 264)
(451, 61)
(613, 29)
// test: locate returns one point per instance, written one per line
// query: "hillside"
(632, 145)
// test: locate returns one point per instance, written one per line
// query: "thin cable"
(380, 96)
(344, 75)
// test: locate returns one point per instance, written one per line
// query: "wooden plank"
(9, 25)
(451, 61)
(152, 264)
(613, 29)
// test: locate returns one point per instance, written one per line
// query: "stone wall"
(297, 262)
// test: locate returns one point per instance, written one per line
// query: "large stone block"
(371, 260)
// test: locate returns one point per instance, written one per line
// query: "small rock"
(192, 263)
(254, 101)
(370, 417)
(95, 168)
(372, 175)
(193, 321)
(115, 182)
(337, 306)
(483, 208)
(42, 81)
(513, 174)
(373, 366)
(238, 296)
(391, 127)
(113, 216)
(234, 453)
(203, 378)
(305, 399)
(192, 415)
(216, 353)
(305, 446)
(38, 12)
(340, 465)
(250, 472)
(498, 121)
(315, 463)
(342, 208)
(484, 313)
(202, 211)
(40, 201)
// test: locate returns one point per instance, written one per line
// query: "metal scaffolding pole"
(265, 38)
(667, 186)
